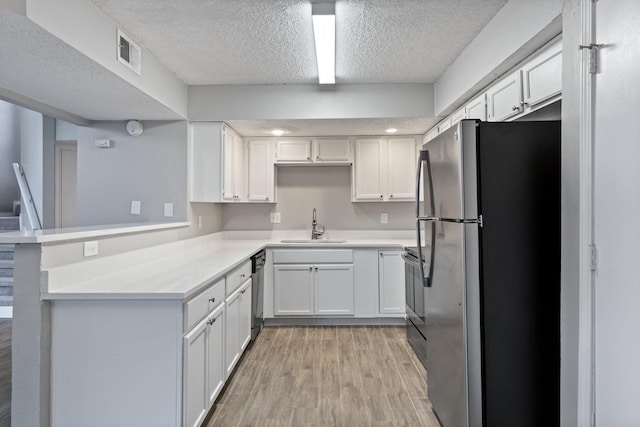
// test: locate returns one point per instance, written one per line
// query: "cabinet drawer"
(238, 276)
(202, 304)
(313, 256)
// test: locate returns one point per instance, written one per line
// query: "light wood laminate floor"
(327, 376)
(5, 372)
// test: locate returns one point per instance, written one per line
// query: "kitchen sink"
(313, 241)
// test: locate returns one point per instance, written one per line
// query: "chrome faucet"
(314, 224)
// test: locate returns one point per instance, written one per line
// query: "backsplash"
(326, 188)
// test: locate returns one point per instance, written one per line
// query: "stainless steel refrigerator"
(488, 230)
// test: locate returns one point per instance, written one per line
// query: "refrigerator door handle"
(424, 158)
(478, 221)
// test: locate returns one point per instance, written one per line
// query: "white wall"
(31, 154)
(88, 29)
(326, 188)
(9, 154)
(150, 168)
(66, 131)
(262, 102)
(517, 30)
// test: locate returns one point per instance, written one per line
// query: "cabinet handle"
(308, 158)
(390, 196)
(242, 276)
(212, 299)
(317, 157)
(243, 291)
(515, 108)
(316, 268)
(267, 199)
(211, 321)
(381, 254)
(310, 268)
(381, 196)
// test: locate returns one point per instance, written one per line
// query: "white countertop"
(83, 233)
(185, 269)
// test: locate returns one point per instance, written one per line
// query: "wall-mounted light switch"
(384, 218)
(103, 143)
(91, 248)
(275, 217)
(168, 209)
(135, 207)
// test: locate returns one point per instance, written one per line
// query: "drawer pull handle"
(243, 291)
(211, 321)
(242, 275)
(212, 299)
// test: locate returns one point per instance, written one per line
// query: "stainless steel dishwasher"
(257, 294)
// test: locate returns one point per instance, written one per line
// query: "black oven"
(415, 302)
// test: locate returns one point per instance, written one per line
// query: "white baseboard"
(6, 312)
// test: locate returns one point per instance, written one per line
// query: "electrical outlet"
(275, 217)
(91, 248)
(168, 209)
(135, 207)
(384, 218)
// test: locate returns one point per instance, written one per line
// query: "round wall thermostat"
(134, 127)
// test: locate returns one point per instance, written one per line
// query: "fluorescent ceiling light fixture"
(278, 132)
(324, 33)
(392, 130)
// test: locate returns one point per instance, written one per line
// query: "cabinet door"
(402, 168)
(194, 380)
(293, 289)
(261, 171)
(332, 150)
(368, 169)
(504, 100)
(333, 289)
(542, 76)
(477, 109)
(244, 315)
(458, 115)
(215, 354)
(227, 165)
(232, 332)
(238, 168)
(391, 282)
(293, 151)
(444, 125)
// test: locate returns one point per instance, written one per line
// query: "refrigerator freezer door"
(446, 357)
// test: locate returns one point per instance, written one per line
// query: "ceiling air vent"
(129, 52)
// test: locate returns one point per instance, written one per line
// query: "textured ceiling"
(39, 66)
(334, 127)
(271, 42)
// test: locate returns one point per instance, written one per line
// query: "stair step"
(6, 301)
(9, 223)
(6, 291)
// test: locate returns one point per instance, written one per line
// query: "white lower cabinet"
(333, 289)
(203, 366)
(237, 325)
(293, 286)
(391, 282)
(304, 288)
(195, 384)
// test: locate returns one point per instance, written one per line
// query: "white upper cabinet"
(301, 151)
(431, 134)
(444, 125)
(293, 150)
(232, 166)
(542, 75)
(332, 150)
(402, 162)
(504, 100)
(261, 171)
(206, 161)
(384, 169)
(458, 115)
(368, 169)
(477, 108)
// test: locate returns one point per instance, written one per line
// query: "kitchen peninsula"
(132, 334)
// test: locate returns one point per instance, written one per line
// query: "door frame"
(587, 279)
(60, 146)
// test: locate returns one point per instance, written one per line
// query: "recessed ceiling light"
(278, 132)
(392, 130)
